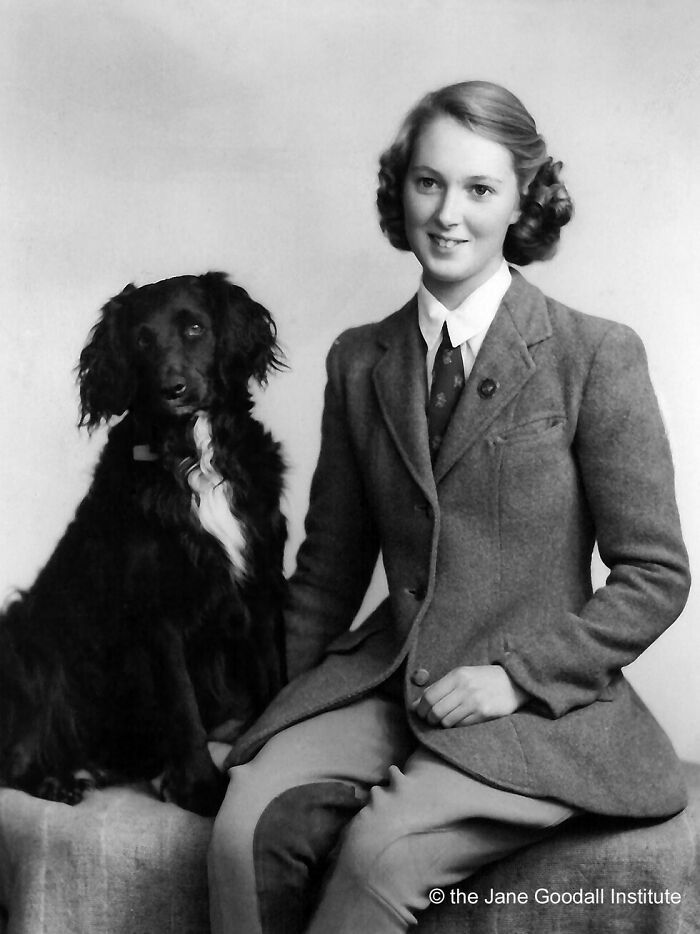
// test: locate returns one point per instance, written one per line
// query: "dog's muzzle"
(174, 391)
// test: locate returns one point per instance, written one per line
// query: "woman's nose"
(449, 210)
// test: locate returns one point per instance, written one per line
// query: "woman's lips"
(445, 243)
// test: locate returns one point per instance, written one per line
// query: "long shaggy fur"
(139, 637)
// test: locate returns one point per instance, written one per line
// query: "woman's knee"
(372, 850)
(299, 822)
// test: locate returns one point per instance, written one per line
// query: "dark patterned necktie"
(447, 384)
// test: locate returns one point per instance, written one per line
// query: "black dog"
(157, 617)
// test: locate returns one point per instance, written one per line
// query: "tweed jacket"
(556, 443)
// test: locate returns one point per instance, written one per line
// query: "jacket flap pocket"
(539, 428)
(612, 688)
(376, 622)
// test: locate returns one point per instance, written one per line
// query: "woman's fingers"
(467, 695)
(444, 708)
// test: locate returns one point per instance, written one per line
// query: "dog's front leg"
(191, 779)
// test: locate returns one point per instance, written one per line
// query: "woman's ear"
(105, 371)
(518, 208)
(247, 345)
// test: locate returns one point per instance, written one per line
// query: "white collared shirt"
(467, 324)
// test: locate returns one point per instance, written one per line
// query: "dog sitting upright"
(158, 616)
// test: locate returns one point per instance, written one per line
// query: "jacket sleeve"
(336, 560)
(567, 660)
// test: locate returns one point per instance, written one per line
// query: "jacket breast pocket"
(541, 438)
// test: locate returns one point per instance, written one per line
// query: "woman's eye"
(481, 191)
(425, 183)
(194, 330)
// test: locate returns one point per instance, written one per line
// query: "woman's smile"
(445, 243)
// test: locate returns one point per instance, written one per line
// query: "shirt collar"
(468, 320)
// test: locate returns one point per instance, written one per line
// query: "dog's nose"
(175, 389)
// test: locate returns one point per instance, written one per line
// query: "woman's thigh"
(354, 744)
(430, 826)
(428, 793)
(449, 819)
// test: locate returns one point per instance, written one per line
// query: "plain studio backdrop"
(143, 139)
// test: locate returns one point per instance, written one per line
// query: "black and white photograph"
(349, 490)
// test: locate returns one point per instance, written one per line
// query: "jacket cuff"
(549, 698)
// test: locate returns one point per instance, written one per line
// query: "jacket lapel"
(399, 378)
(504, 359)
(401, 387)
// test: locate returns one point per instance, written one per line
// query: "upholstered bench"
(124, 863)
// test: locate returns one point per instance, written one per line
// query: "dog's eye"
(193, 330)
(144, 339)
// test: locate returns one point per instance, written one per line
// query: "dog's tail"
(37, 727)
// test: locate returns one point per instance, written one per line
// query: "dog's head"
(174, 347)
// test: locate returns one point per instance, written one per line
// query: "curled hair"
(493, 112)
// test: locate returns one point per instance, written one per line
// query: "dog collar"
(144, 452)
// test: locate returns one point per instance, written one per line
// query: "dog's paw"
(196, 785)
(65, 790)
(71, 789)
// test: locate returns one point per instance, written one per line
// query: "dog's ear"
(105, 371)
(247, 345)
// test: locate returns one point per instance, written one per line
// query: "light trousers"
(342, 825)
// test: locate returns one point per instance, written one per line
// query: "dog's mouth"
(185, 404)
(182, 407)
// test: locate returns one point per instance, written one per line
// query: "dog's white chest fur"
(212, 500)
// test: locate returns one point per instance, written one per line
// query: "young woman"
(484, 437)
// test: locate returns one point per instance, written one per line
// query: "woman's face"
(459, 198)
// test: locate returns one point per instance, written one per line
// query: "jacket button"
(487, 387)
(418, 592)
(420, 677)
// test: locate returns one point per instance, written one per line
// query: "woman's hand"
(470, 694)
